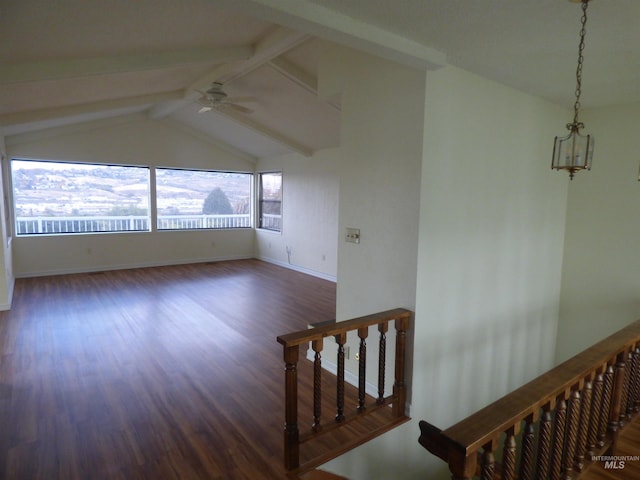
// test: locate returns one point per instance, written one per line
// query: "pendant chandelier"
(574, 152)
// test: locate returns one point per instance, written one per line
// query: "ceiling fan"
(215, 97)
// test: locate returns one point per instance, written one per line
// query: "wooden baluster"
(509, 455)
(558, 439)
(316, 345)
(594, 421)
(341, 339)
(607, 388)
(583, 429)
(636, 380)
(544, 444)
(383, 328)
(616, 399)
(399, 387)
(526, 458)
(488, 466)
(571, 438)
(362, 368)
(626, 389)
(291, 432)
(633, 373)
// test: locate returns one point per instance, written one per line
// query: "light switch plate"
(353, 235)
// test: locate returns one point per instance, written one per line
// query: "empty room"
(319, 239)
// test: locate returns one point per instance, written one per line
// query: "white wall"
(7, 279)
(128, 140)
(489, 253)
(310, 214)
(491, 241)
(379, 165)
(600, 280)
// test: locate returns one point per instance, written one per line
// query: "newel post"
(461, 465)
(291, 432)
(399, 387)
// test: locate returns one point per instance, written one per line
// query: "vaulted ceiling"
(72, 61)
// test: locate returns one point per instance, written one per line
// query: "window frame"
(137, 219)
(260, 201)
(204, 170)
(152, 215)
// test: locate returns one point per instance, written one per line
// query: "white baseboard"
(47, 273)
(104, 268)
(10, 286)
(298, 268)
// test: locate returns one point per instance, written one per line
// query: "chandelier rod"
(576, 105)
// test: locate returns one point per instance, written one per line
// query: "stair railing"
(553, 425)
(314, 337)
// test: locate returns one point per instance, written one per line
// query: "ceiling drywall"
(70, 61)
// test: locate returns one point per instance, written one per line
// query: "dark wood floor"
(628, 447)
(159, 373)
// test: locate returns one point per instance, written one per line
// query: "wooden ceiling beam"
(323, 22)
(266, 132)
(277, 42)
(19, 121)
(84, 67)
(295, 74)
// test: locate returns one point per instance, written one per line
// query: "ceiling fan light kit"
(574, 152)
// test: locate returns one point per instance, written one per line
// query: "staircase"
(553, 426)
(356, 416)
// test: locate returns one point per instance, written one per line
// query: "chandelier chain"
(583, 31)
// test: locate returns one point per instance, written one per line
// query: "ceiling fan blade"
(233, 106)
(240, 99)
(205, 109)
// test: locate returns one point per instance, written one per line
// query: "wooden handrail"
(579, 406)
(314, 337)
(332, 329)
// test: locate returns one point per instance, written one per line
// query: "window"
(193, 199)
(270, 201)
(63, 197)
